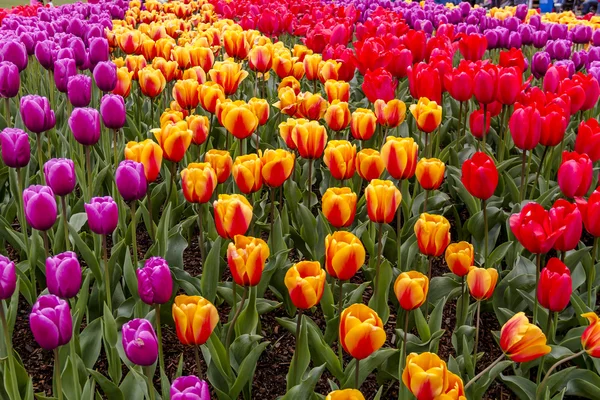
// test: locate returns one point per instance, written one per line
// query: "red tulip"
(459, 83)
(553, 77)
(590, 87)
(513, 58)
(525, 127)
(575, 174)
(533, 229)
(555, 286)
(510, 80)
(588, 139)
(567, 216)
(416, 41)
(379, 85)
(476, 123)
(590, 212)
(345, 57)
(494, 108)
(371, 54)
(424, 81)
(554, 124)
(480, 176)
(485, 83)
(473, 46)
(575, 91)
(400, 60)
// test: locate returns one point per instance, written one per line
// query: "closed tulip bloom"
(195, 319)
(424, 81)
(85, 125)
(430, 173)
(131, 180)
(390, 114)
(533, 229)
(152, 81)
(399, 156)
(590, 213)
(286, 128)
(591, 88)
(36, 113)
(247, 173)
(555, 286)
(510, 80)
(344, 255)
(310, 139)
(566, 218)
(480, 176)
(63, 275)
(482, 282)
(60, 175)
(587, 140)
(210, 93)
(383, 200)
(198, 182)
(379, 85)
(181, 55)
(361, 331)
(16, 150)
(228, 74)
(339, 206)
(460, 257)
(51, 322)
(102, 215)
(575, 174)
(428, 114)
(522, 341)
(590, 339)
(14, 51)
(113, 112)
(459, 83)
(8, 278)
(337, 90)
(239, 119)
(346, 394)
(311, 106)
(185, 93)
(311, 66)
(260, 108)
(235, 43)
(363, 123)
(79, 90)
(425, 375)
(277, 166)
(170, 69)
(155, 284)
(40, 207)
(369, 164)
(476, 123)
(337, 116)
(174, 139)
(194, 73)
(63, 70)
(149, 154)
(329, 70)
(525, 127)
(554, 124)
(105, 76)
(202, 57)
(246, 257)
(411, 289)
(10, 80)
(305, 282)
(130, 41)
(123, 84)
(473, 46)
(485, 83)
(260, 58)
(233, 214)
(189, 388)
(140, 342)
(433, 234)
(200, 126)
(221, 162)
(340, 159)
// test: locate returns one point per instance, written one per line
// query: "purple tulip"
(79, 90)
(51, 322)
(63, 70)
(28, 41)
(536, 21)
(131, 180)
(36, 113)
(63, 275)
(105, 76)
(140, 342)
(514, 40)
(98, 50)
(558, 31)
(540, 38)
(512, 24)
(559, 49)
(581, 34)
(112, 109)
(540, 63)
(102, 214)
(85, 125)
(15, 52)
(191, 387)
(43, 53)
(60, 175)
(64, 53)
(492, 39)
(16, 150)
(521, 11)
(580, 59)
(569, 66)
(155, 284)
(526, 32)
(10, 80)
(8, 278)
(79, 51)
(40, 207)
(594, 69)
(596, 37)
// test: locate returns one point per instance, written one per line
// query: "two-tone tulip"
(590, 339)
(460, 257)
(247, 173)
(411, 289)
(195, 319)
(363, 123)
(522, 341)
(305, 282)
(310, 139)
(383, 199)
(340, 159)
(246, 257)
(425, 375)
(482, 282)
(210, 94)
(430, 173)
(174, 140)
(344, 255)
(185, 93)
(369, 164)
(399, 156)
(198, 182)
(233, 214)
(339, 206)
(428, 114)
(337, 116)
(228, 74)
(361, 331)
(152, 81)
(277, 166)
(337, 90)
(390, 114)
(221, 162)
(433, 234)
(147, 152)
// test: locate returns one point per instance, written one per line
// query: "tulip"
(247, 173)
(210, 93)
(174, 139)
(130, 41)
(433, 234)
(566, 218)
(105, 76)
(123, 84)
(200, 127)
(155, 284)
(16, 150)
(589, 338)
(185, 93)
(221, 162)
(102, 215)
(482, 282)
(286, 128)
(135, 64)
(480, 176)
(510, 81)
(8, 278)
(288, 102)
(140, 342)
(98, 50)
(36, 113)
(428, 114)
(554, 124)
(235, 43)
(411, 289)
(85, 125)
(476, 120)
(591, 88)
(131, 180)
(238, 119)
(40, 207)
(424, 81)
(198, 182)
(430, 173)
(228, 74)
(202, 57)
(305, 282)
(311, 66)
(152, 82)
(346, 394)
(339, 206)
(10, 80)
(310, 139)
(260, 108)
(63, 70)
(344, 255)
(194, 73)
(533, 228)
(340, 159)
(400, 157)
(361, 331)
(79, 90)
(587, 140)
(328, 70)
(525, 127)
(460, 257)
(337, 90)
(233, 214)
(311, 106)
(51, 322)
(379, 85)
(590, 213)
(181, 55)
(540, 63)
(337, 116)
(369, 164)
(260, 58)
(363, 123)
(383, 199)
(473, 46)
(555, 287)
(575, 174)
(15, 52)
(485, 83)
(112, 110)
(425, 375)
(459, 83)
(149, 154)
(189, 388)
(522, 341)
(277, 166)
(60, 175)
(390, 114)
(195, 319)
(246, 257)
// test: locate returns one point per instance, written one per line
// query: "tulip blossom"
(51, 322)
(363, 123)
(63, 275)
(15, 147)
(399, 156)
(590, 213)
(337, 116)
(40, 207)
(482, 282)
(305, 282)
(246, 257)
(411, 289)
(425, 375)
(346, 394)
(102, 215)
(379, 85)
(555, 286)
(533, 228)
(186, 387)
(340, 157)
(383, 200)
(221, 163)
(575, 174)
(140, 342)
(566, 218)
(433, 234)
(588, 139)
(233, 214)
(361, 331)
(390, 114)
(480, 176)
(590, 337)
(430, 173)
(8, 278)
(155, 284)
(344, 255)
(247, 173)
(195, 319)
(369, 164)
(525, 127)
(339, 206)
(522, 341)
(460, 257)
(277, 166)
(149, 154)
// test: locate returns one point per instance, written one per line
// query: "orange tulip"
(210, 93)
(310, 139)
(260, 108)
(369, 164)
(260, 58)
(428, 114)
(337, 90)
(340, 158)
(239, 119)
(390, 114)
(124, 78)
(148, 49)
(290, 82)
(522, 341)
(221, 162)
(425, 375)
(174, 139)
(456, 388)
(590, 339)
(233, 214)
(361, 331)
(130, 41)
(152, 82)
(185, 92)
(339, 206)
(346, 394)
(430, 173)
(328, 70)
(235, 44)
(433, 234)
(400, 156)
(301, 51)
(383, 200)
(195, 73)
(200, 126)
(228, 74)
(285, 131)
(311, 66)
(298, 70)
(247, 173)
(246, 257)
(174, 107)
(170, 116)
(337, 116)
(460, 257)
(181, 55)
(363, 123)
(305, 282)
(411, 289)
(344, 255)
(482, 282)
(277, 167)
(148, 153)
(202, 57)
(283, 65)
(135, 64)
(195, 319)
(288, 102)
(311, 106)
(198, 182)
(164, 47)
(168, 68)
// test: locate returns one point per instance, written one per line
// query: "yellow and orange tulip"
(200, 126)
(221, 162)
(228, 74)
(310, 139)
(202, 57)
(210, 94)
(590, 339)
(383, 199)
(130, 41)
(239, 119)
(174, 139)
(277, 166)
(233, 214)
(339, 206)
(185, 93)
(344, 255)
(288, 101)
(425, 375)
(428, 114)
(340, 158)
(337, 116)
(328, 70)
(460, 257)
(195, 73)
(195, 319)
(124, 78)
(400, 156)
(135, 64)
(361, 331)
(181, 55)
(147, 152)
(390, 114)
(285, 131)
(346, 394)
(337, 90)
(311, 106)
(522, 341)
(430, 173)
(260, 58)
(152, 81)
(169, 69)
(482, 282)
(246, 257)
(198, 182)
(369, 164)
(411, 289)
(311, 66)
(247, 173)
(363, 123)
(260, 108)
(305, 282)
(236, 45)
(433, 234)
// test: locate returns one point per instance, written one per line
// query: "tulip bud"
(361, 331)
(522, 341)
(555, 287)
(428, 114)
(305, 282)
(566, 218)
(198, 182)
(383, 200)
(233, 214)
(140, 342)
(228, 74)
(379, 84)
(247, 173)
(260, 108)
(260, 58)
(363, 123)
(185, 93)
(79, 90)
(476, 123)
(400, 156)
(589, 338)
(482, 282)
(430, 173)
(425, 375)
(337, 116)
(575, 174)
(344, 255)
(460, 257)
(337, 90)
(131, 180)
(480, 176)
(40, 207)
(174, 139)
(390, 114)
(152, 81)
(411, 289)
(590, 212)
(85, 125)
(155, 284)
(311, 106)
(123, 84)
(16, 150)
(525, 127)
(51, 322)
(105, 76)
(102, 214)
(8, 278)
(195, 319)
(246, 257)
(588, 139)
(60, 175)
(10, 80)
(112, 110)
(310, 139)
(221, 162)
(149, 154)
(340, 159)
(288, 102)
(63, 275)
(186, 387)
(277, 166)
(238, 118)
(36, 113)
(369, 164)
(339, 206)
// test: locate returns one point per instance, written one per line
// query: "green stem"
(399, 236)
(197, 357)
(425, 202)
(272, 210)
(552, 368)
(74, 371)
(63, 203)
(23, 220)
(537, 174)
(592, 277)
(148, 373)
(40, 157)
(88, 163)
(523, 177)
(476, 336)
(200, 233)
(134, 235)
(235, 317)
(298, 325)
(9, 352)
(403, 354)
(115, 146)
(149, 204)
(485, 228)
(107, 286)
(161, 357)
(427, 296)
(479, 375)
(340, 306)
(379, 254)
(7, 112)
(538, 262)
(172, 183)
(309, 182)
(356, 376)
(46, 244)
(58, 395)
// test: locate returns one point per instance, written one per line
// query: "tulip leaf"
(301, 357)
(90, 341)
(379, 303)
(162, 232)
(211, 272)
(129, 274)
(176, 245)
(247, 322)
(486, 380)
(435, 319)
(247, 368)
(71, 386)
(522, 387)
(241, 347)
(88, 255)
(366, 366)
(304, 390)
(308, 229)
(190, 284)
(14, 238)
(132, 387)
(219, 356)
(421, 324)
(109, 327)
(111, 390)
(497, 255)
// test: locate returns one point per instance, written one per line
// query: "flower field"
(273, 199)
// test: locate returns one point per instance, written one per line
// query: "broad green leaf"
(211, 272)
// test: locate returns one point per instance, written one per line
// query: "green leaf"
(109, 327)
(498, 254)
(246, 371)
(88, 255)
(304, 390)
(111, 390)
(129, 274)
(90, 341)
(366, 366)
(301, 357)
(379, 303)
(522, 387)
(248, 320)
(422, 326)
(211, 272)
